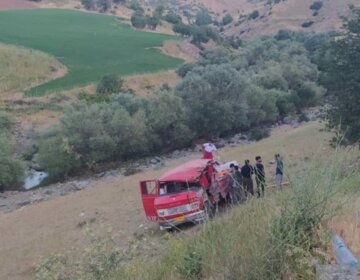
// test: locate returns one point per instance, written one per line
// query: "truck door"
(148, 194)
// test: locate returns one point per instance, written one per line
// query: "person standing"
(279, 171)
(246, 172)
(259, 176)
(208, 150)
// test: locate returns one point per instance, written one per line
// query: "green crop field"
(90, 45)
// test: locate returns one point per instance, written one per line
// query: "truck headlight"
(161, 212)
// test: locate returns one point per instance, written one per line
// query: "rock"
(23, 203)
(158, 165)
(153, 161)
(100, 175)
(287, 120)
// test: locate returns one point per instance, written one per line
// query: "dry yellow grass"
(22, 68)
(145, 84)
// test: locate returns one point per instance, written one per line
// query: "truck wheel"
(209, 210)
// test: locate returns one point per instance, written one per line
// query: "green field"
(90, 45)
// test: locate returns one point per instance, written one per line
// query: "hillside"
(112, 206)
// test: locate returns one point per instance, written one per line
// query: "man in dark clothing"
(259, 176)
(246, 172)
(279, 171)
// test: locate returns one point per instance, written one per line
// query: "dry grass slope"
(22, 68)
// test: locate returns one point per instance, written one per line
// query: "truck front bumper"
(196, 217)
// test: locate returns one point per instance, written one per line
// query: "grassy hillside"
(22, 68)
(90, 45)
(235, 246)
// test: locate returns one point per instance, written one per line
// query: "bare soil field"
(15, 4)
(113, 205)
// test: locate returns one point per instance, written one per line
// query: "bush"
(138, 21)
(203, 17)
(259, 133)
(307, 24)
(56, 155)
(109, 84)
(184, 69)
(183, 29)
(173, 18)
(227, 19)
(88, 4)
(316, 5)
(253, 14)
(11, 169)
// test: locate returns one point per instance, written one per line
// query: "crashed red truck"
(187, 193)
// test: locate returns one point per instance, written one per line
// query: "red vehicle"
(187, 193)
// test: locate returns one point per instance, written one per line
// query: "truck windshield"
(177, 187)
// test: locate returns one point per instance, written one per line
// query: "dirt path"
(113, 205)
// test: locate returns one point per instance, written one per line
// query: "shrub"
(227, 19)
(307, 24)
(184, 69)
(203, 17)
(109, 84)
(259, 133)
(183, 29)
(88, 4)
(173, 18)
(253, 14)
(138, 21)
(11, 169)
(56, 155)
(316, 5)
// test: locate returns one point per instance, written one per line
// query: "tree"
(109, 84)
(173, 18)
(11, 169)
(167, 121)
(152, 22)
(138, 21)
(214, 98)
(183, 29)
(88, 4)
(343, 80)
(203, 17)
(103, 5)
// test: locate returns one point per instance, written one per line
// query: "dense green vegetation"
(11, 169)
(224, 93)
(342, 78)
(90, 45)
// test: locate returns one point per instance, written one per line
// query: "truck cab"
(179, 195)
(187, 193)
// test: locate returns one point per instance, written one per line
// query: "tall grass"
(22, 68)
(280, 236)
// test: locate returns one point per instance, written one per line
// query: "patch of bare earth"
(181, 49)
(15, 4)
(146, 84)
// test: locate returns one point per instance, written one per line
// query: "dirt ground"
(113, 205)
(15, 4)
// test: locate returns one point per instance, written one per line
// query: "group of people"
(243, 177)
